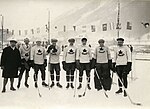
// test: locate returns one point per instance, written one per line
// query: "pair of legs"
(122, 73)
(11, 84)
(102, 78)
(70, 68)
(86, 67)
(36, 70)
(55, 68)
(23, 69)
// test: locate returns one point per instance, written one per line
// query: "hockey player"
(68, 62)
(103, 60)
(10, 63)
(83, 62)
(54, 64)
(122, 64)
(39, 61)
(25, 50)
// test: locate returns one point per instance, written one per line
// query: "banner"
(118, 26)
(38, 30)
(104, 26)
(146, 25)
(84, 28)
(32, 31)
(64, 28)
(7, 31)
(26, 32)
(129, 26)
(19, 32)
(93, 28)
(12, 32)
(74, 28)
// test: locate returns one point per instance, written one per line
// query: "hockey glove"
(78, 64)
(54, 50)
(129, 66)
(26, 65)
(110, 64)
(93, 63)
(64, 65)
(50, 48)
(19, 68)
(45, 62)
(32, 63)
(114, 67)
(23, 61)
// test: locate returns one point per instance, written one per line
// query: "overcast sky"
(25, 14)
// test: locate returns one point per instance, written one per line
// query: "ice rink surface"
(56, 98)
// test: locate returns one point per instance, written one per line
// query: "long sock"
(5, 82)
(80, 79)
(11, 82)
(57, 77)
(52, 77)
(26, 76)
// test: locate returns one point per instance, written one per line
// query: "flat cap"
(84, 39)
(120, 39)
(26, 39)
(38, 40)
(13, 40)
(71, 40)
(101, 41)
(54, 40)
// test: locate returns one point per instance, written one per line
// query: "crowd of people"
(16, 61)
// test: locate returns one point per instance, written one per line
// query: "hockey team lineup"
(75, 62)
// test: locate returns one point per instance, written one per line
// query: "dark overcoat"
(11, 61)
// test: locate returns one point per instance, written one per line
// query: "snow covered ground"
(28, 98)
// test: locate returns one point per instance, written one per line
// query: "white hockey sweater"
(25, 51)
(84, 54)
(38, 54)
(102, 54)
(122, 55)
(69, 55)
(54, 57)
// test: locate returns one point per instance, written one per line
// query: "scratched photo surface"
(43, 20)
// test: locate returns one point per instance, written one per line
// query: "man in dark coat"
(10, 63)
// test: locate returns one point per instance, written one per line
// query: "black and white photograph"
(78, 54)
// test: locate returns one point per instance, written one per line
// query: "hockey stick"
(84, 91)
(112, 79)
(100, 83)
(75, 84)
(39, 92)
(139, 104)
(49, 67)
(37, 87)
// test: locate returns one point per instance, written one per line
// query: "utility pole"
(2, 24)
(118, 20)
(49, 27)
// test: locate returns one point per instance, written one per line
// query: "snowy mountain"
(98, 12)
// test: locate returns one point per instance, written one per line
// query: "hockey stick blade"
(40, 95)
(101, 83)
(106, 95)
(81, 95)
(138, 104)
(39, 92)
